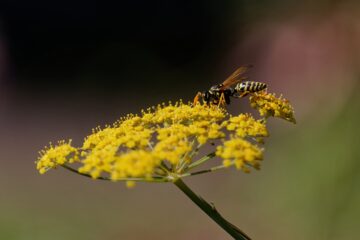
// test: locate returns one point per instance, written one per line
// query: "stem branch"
(201, 161)
(153, 179)
(213, 169)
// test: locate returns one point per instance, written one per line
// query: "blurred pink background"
(307, 187)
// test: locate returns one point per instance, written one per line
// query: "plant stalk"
(211, 211)
(154, 179)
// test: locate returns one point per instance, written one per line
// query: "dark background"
(69, 66)
(124, 46)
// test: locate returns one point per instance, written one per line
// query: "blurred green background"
(66, 67)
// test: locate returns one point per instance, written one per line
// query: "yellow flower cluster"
(163, 142)
(245, 125)
(53, 156)
(240, 153)
(270, 105)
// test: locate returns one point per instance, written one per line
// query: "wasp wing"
(236, 77)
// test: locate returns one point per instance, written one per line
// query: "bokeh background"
(69, 66)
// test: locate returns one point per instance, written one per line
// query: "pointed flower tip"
(53, 156)
(269, 105)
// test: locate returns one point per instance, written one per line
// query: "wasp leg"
(222, 100)
(197, 98)
(244, 94)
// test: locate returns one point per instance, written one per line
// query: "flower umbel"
(162, 143)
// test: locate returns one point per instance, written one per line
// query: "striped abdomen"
(250, 87)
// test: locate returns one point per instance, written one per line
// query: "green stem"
(153, 179)
(82, 174)
(211, 212)
(213, 169)
(201, 161)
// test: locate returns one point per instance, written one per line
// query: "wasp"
(221, 93)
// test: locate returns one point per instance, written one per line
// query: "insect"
(221, 93)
